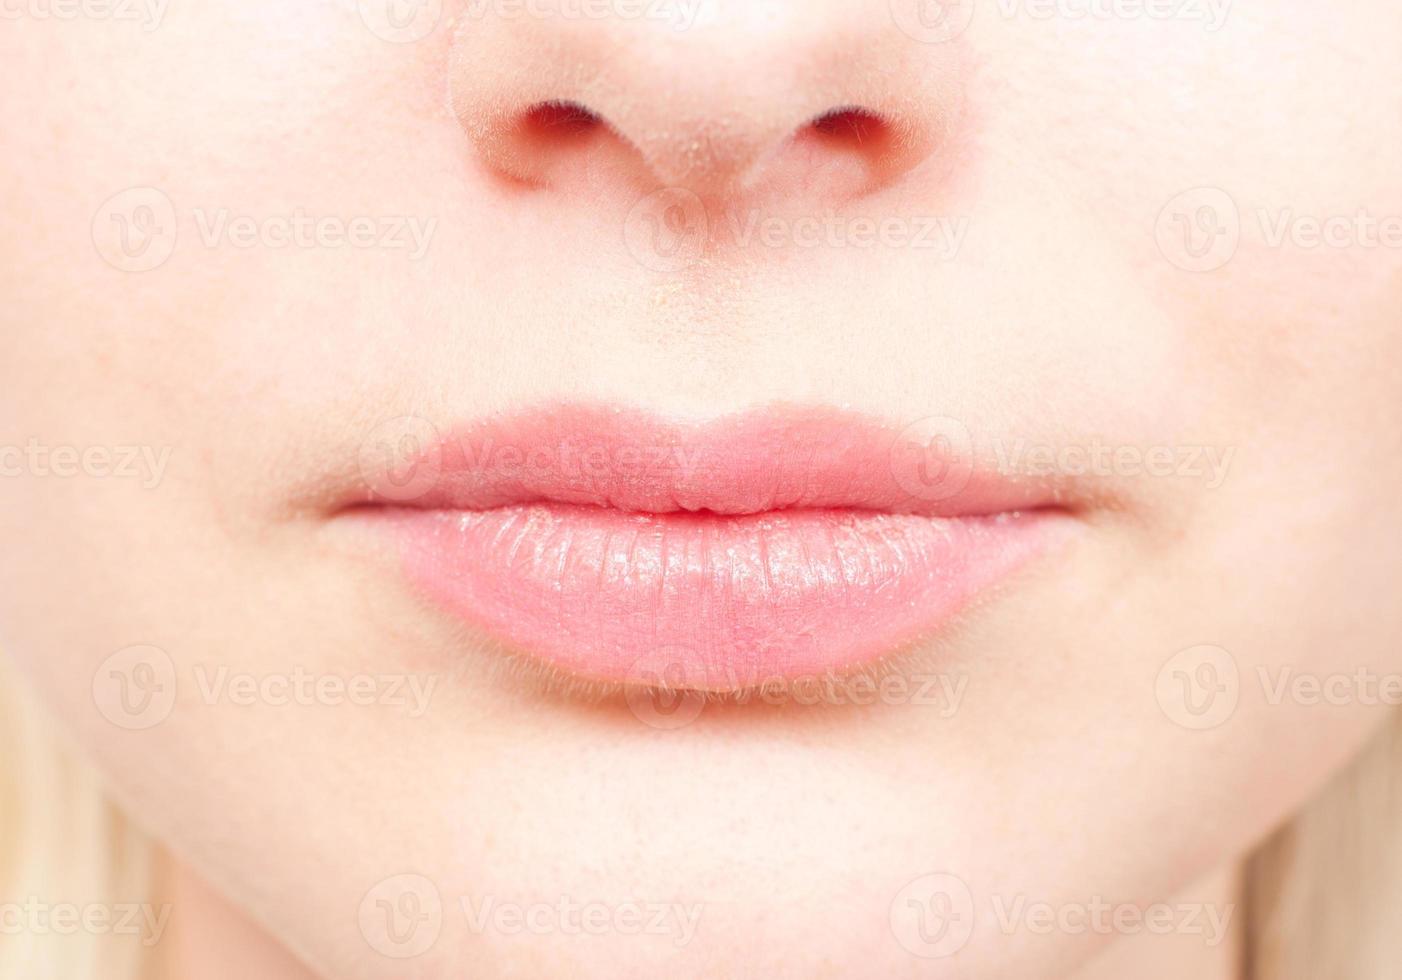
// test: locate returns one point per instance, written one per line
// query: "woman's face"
(1143, 258)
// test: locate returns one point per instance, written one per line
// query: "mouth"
(764, 547)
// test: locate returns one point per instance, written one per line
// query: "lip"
(719, 555)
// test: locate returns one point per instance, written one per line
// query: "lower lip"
(707, 601)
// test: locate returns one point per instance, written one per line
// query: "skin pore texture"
(263, 241)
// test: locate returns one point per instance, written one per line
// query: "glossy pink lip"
(760, 547)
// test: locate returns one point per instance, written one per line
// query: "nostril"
(548, 142)
(559, 120)
(850, 124)
(851, 148)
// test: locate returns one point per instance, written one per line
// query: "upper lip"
(778, 458)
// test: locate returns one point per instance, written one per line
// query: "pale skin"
(1085, 304)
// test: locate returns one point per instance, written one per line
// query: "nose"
(715, 96)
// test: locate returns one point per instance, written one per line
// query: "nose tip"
(739, 101)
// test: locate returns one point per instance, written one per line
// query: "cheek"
(1243, 180)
